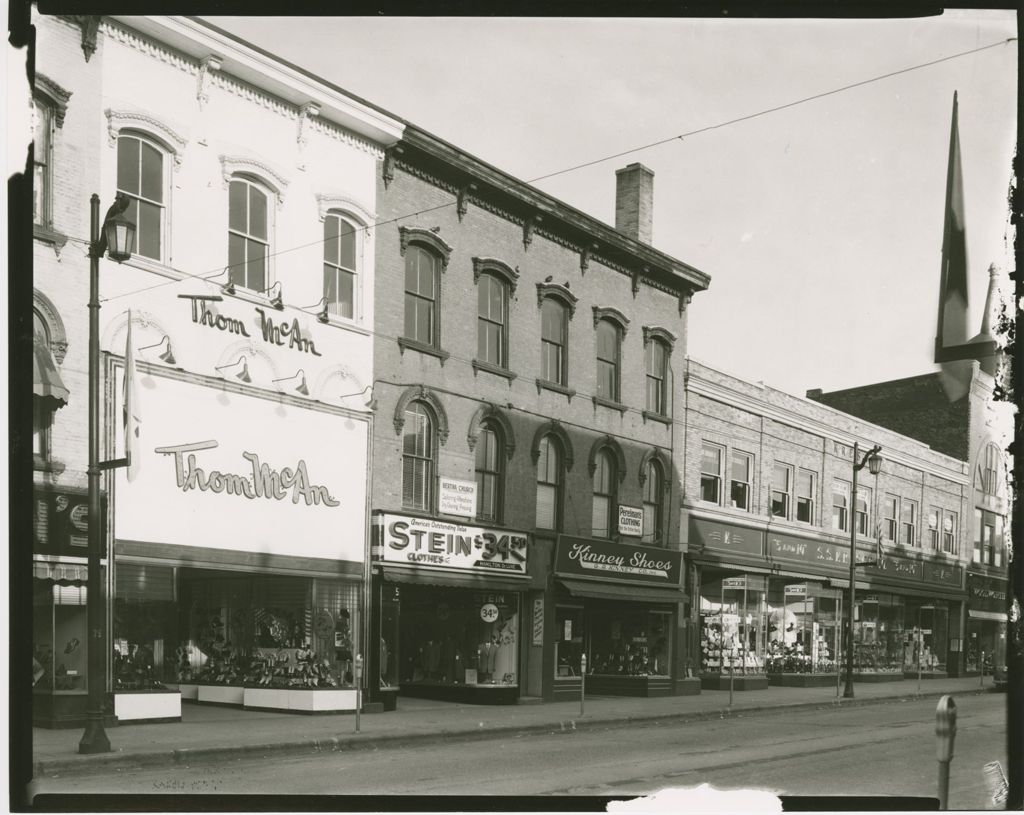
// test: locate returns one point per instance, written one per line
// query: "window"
(603, 524)
(489, 476)
(492, 320)
(934, 519)
(863, 511)
(248, 235)
(656, 366)
(997, 541)
(980, 536)
(42, 160)
(568, 641)
(739, 482)
(890, 518)
(988, 538)
(949, 544)
(782, 478)
(421, 295)
(908, 520)
(549, 483)
(418, 445)
(553, 336)
(711, 473)
(140, 177)
(342, 252)
(653, 502)
(990, 472)
(805, 497)
(609, 340)
(840, 506)
(42, 408)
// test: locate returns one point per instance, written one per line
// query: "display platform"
(147, 706)
(470, 694)
(301, 700)
(877, 676)
(927, 675)
(802, 680)
(220, 694)
(740, 682)
(611, 685)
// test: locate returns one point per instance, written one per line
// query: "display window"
(804, 634)
(878, 633)
(59, 638)
(926, 635)
(985, 645)
(629, 641)
(568, 641)
(735, 621)
(450, 636)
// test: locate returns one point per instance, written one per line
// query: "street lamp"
(874, 465)
(117, 239)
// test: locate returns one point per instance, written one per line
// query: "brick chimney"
(634, 202)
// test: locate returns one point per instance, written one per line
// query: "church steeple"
(985, 346)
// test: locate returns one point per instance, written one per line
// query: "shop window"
(934, 521)
(711, 457)
(890, 518)
(805, 496)
(804, 625)
(925, 639)
(879, 634)
(908, 516)
(141, 178)
(342, 254)
(489, 476)
(629, 643)
(609, 342)
(146, 637)
(863, 511)
(42, 186)
(656, 367)
(549, 483)
(654, 482)
(949, 542)
(782, 480)
(418, 449)
(553, 341)
(604, 507)
(734, 625)
(248, 234)
(60, 641)
(840, 506)
(568, 641)
(492, 320)
(739, 481)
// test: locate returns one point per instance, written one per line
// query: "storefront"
(616, 604)
(985, 634)
(447, 610)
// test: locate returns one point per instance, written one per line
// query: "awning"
(999, 617)
(620, 591)
(67, 574)
(844, 583)
(438, 577)
(46, 379)
(935, 593)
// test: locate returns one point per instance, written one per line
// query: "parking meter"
(583, 681)
(358, 669)
(945, 728)
(583, 664)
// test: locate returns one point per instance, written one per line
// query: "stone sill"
(497, 370)
(412, 345)
(544, 384)
(609, 403)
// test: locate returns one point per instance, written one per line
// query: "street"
(883, 749)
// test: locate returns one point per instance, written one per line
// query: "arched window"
(342, 253)
(656, 367)
(553, 341)
(654, 482)
(604, 506)
(492, 320)
(419, 445)
(549, 483)
(490, 456)
(43, 406)
(422, 295)
(248, 234)
(141, 177)
(609, 341)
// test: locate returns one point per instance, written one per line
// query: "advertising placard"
(588, 557)
(432, 543)
(538, 620)
(725, 537)
(456, 497)
(631, 521)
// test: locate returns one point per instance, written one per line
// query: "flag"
(951, 330)
(130, 408)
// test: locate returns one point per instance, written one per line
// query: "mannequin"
(486, 653)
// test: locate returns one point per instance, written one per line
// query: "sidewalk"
(209, 733)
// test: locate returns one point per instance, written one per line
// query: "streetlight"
(874, 465)
(117, 240)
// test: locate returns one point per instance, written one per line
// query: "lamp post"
(117, 239)
(874, 465)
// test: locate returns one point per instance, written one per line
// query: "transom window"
(248, 235)
(739, 481)
(609, 340)
(549, 483)
(421, 295)
(553, 339)
(489, 475)
(782, 490)
(908, 522)
(805, 496)
(656, 367)
(342, 252)
(890, 518)
(653, 502)
(711, 473)
(603, 523)
(492, 319)
(418, 447)
(42, 160)
(840, 506)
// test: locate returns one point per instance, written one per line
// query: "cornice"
(149, 47)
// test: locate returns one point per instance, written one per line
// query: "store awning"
(472, 580)
(621, 591)
(999, 617)
(46, 381)
(66, 574)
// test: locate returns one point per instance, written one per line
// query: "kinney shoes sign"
(589, 557)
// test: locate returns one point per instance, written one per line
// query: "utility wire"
(213, 273)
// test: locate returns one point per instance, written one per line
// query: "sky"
(819, 224)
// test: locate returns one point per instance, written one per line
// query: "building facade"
(525, 453)
(236, 543)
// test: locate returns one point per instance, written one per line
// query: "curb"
(187, 756)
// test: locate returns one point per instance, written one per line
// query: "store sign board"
(245, 473)
(748, 582)
(456, 497)
(986, 593)
(945, 574)
(631, 521)
(725, 537)
(433, 544)
(60, 520)
(589, 557)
